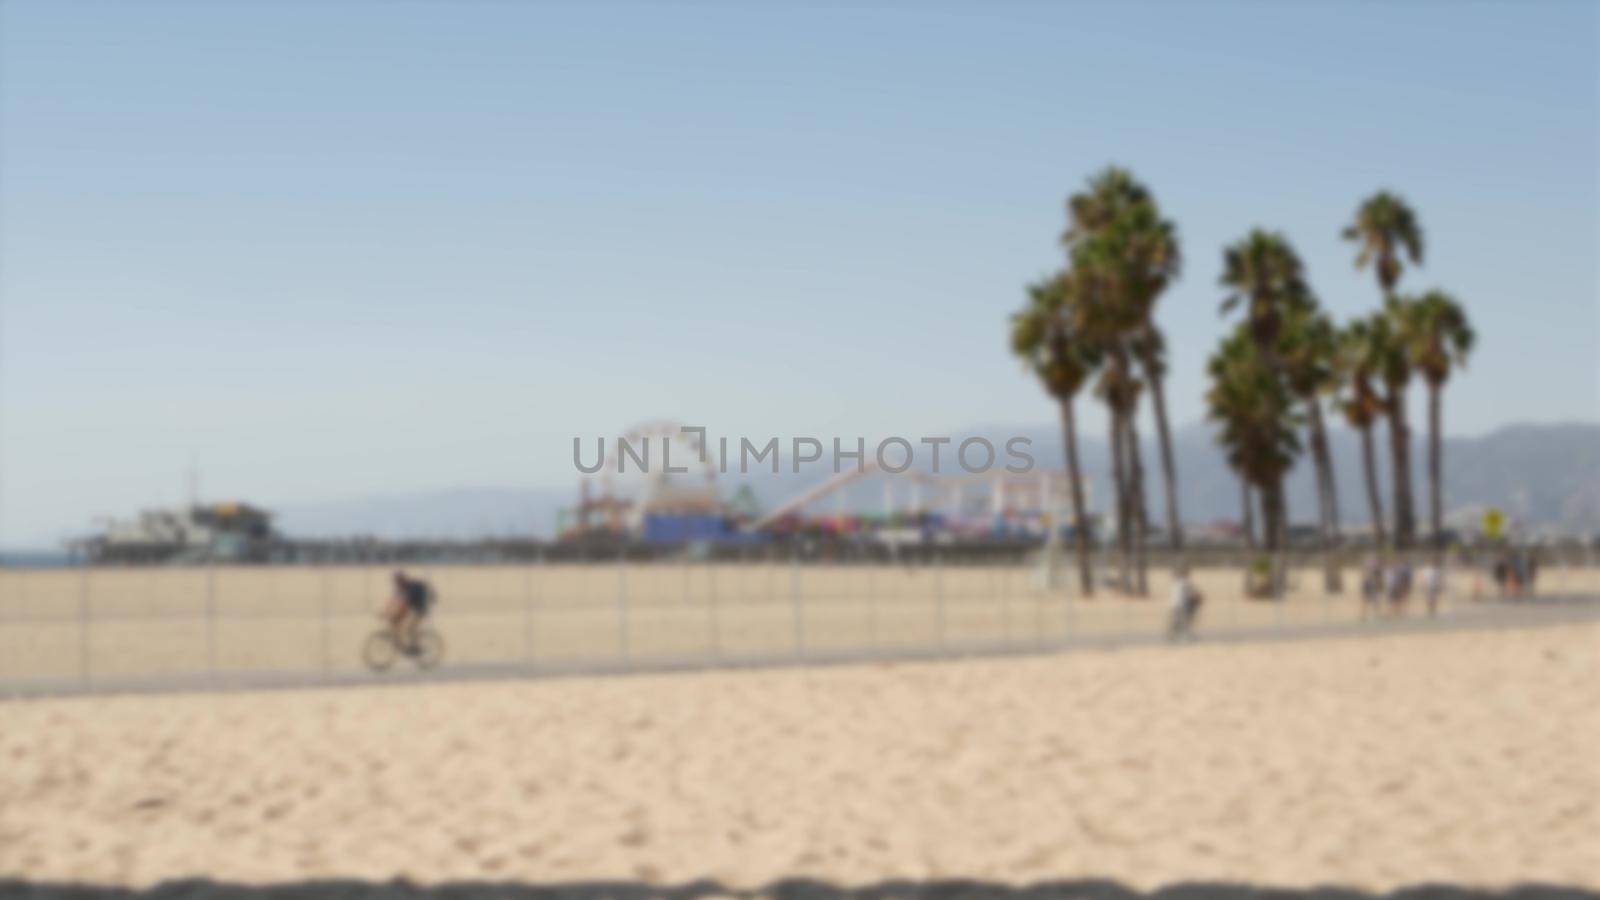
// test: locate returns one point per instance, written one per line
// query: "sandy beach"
(1464, 757)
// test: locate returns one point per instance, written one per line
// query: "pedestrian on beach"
(1519, 576)
(1432, 577)
(1399, 586)
(1186, 603)
(1371, 587)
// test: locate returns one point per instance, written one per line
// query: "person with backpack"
(408, 606)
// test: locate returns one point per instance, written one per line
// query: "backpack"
(420, 595)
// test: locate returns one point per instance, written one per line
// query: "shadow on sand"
(791, 889)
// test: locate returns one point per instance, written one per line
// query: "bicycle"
(383, 648)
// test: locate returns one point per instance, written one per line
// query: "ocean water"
(34, 559)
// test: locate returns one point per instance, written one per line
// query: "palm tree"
(1358, 363)
(1307, 346)
(1265, 277)
(1115, 228)
(1386, 229)
(1438, 338)
(1251, 403)
(1112, 191)
(1102, 316)
(1042, 335)
(1393, 359)
(1119, 387)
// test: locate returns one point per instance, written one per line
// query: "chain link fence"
(105, 627)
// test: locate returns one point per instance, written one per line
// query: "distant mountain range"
(1547, 475)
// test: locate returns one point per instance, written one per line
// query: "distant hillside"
(1544, 474)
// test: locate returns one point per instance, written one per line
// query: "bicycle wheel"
(379, 652)
(430, 648)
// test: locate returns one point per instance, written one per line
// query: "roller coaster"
(656, 505)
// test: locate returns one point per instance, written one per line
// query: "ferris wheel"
(653, 446)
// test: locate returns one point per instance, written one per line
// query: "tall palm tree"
(1136, 496)
(1119, 386)
(1439, 337)
(1393, 358)
(1387, 233)
(1264, 276)
(1358, 363)
(1115, 227)
(1102, 316)
(1042, 334)
(1307, 347)
(1251, 403)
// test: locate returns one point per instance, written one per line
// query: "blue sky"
(332, 249)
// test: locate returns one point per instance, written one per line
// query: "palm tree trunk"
(1369, 463)
(1169, 468)
(1120, 489)
(1334, 519)
(1248, 524)
(1276, 513)
(1436, 467)
(1326, 505)
(1281, 578)
(1405, 517)
(1247, 520)
(1141, 518)
(1080, 522)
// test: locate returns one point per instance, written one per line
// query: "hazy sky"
(335, 249)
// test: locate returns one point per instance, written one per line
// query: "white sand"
(1470, 757)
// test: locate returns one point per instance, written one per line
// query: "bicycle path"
(1537, 612)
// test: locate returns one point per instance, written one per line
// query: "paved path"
(1543, 611)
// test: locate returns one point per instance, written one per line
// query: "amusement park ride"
(687, 504)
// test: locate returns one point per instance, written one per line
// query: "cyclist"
(407, 608)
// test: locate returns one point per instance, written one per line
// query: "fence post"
(326, 612)
(85, 620)
(1072, 590)
(1282, 600)
(1005, 603)
(938, 598)
(872, 602)
(1126, 605)
(622, 606)
(711, 606)
(795, 604)
(527, 606)
(1243, 598)
(1327, 596)
(1038, 594)
(211, 618)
